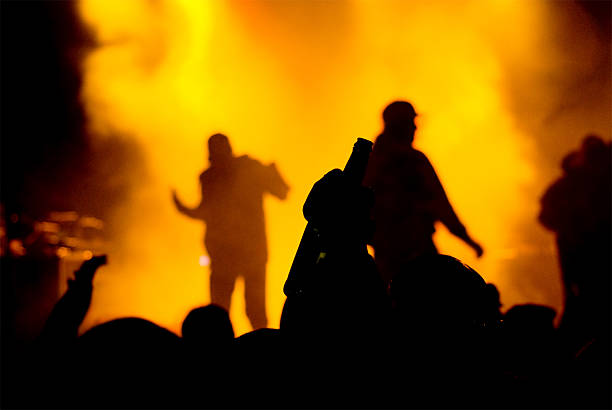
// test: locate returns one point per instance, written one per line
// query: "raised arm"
(195, 213)
(68, 313)
(276, 185)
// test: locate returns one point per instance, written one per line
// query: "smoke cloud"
(503, 88)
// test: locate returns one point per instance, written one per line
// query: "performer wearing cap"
(409, 197)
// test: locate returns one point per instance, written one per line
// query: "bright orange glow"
(62, 252)
(296, 83)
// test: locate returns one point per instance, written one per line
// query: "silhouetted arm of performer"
(276, 185)
(195, 213)
(447, 214)
(68, 313)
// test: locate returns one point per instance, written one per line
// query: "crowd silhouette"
(418, 329)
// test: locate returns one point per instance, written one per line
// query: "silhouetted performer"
(409, 197)
(577, 208)
(232, 208)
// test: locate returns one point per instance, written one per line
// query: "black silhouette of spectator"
(232, 209)
(49, 364)
(344, 289)
(126, 363)
(335, 328)
(440, 292)
(493, 305)
(208, 335)
(532, 355)
(439, 344)
(409, 197)
(577, 208)
(68, 313)
(207, 325)
(262, 357)
(530, 318)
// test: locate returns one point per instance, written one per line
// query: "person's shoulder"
(413, 155)
(418, 154)
(248, 162)
(206, 174)
(246, 159)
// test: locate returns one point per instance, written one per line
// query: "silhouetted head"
(596, 153)
(593, 143)
(592, 156)
(492, 303)
(127, 359)
(492, 296)
(399, 119)
(219, 149)
(439, 291)
(208, 325)
(127, 333)
(530, 318)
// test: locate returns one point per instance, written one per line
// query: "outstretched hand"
(68, 313)
(478, 249)
(84, 275)
(177, 202)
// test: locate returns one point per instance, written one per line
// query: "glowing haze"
(296, 83)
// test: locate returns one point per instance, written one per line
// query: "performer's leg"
(255, 295)
(221, 285)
